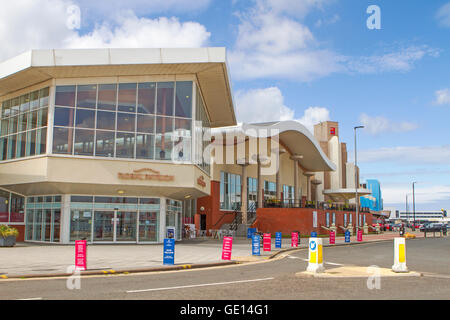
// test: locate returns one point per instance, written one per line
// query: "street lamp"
(414, 206)
(356, 179)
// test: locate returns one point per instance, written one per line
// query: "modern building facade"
(374, 201)
(107, 145)
(132, 146)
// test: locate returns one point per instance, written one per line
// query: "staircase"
(237, 226)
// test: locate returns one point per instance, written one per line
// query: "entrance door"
(112, 226)
(125, 226)
(203, 222)
(104, 226)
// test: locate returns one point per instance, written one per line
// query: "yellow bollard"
(399, 255)
(315, 258)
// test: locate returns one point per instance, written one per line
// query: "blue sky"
(308, 60)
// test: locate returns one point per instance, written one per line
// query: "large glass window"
(124, 124)
(19, 119)
(230, 191)
(43, 221)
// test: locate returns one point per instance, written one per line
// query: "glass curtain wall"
(114, 219)
(202, 135)
(174, 215)
(230, 191)
(23, 125)
(43, 219)
(151, 120)
(12, 207)
(252, 188)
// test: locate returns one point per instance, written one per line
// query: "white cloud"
(442, 97)
(443, 15)
(42, 24)
(379, 124)
(273, 42)
(267, 105)
(134, 32)
(407, 155)
(425, 194)
(398, 60)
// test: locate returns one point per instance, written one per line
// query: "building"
(133, 146)
(374, 201)
(423, 216)
(107, 144)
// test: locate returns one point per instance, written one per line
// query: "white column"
(244, 200)
(162, 219)
(65, 219)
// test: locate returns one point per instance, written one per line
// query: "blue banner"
(278, 236)
(250, 232)
(347, 236)
(169, 251)
(256, 245)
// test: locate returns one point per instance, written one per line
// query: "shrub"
(6, 231)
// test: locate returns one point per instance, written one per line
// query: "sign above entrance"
(201, 181)
(145, 174)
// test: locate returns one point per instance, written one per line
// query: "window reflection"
(165, 98)
(145, 144)
(124, 145)
(65, 96)
(84, 142)
(62, 140)
(127, 97)
(107, 97)
(85, 118)
(126, 121)
(183, 104)
(87, 96)
(146, 98)
(106, 120)
(104, 144)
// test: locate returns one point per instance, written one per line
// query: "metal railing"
(277, 203)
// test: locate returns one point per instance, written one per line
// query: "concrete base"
(355, 272)
(315, 268)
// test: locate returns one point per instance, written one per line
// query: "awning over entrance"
(343, 195)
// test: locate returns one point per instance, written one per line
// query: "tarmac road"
(268, 280)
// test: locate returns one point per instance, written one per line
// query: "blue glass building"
(374, 201)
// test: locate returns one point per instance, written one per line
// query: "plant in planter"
(8, 236)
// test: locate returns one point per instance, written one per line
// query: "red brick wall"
(21, 229)
(283, 220)
(212, 209)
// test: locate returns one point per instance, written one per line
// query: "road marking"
(31, 299)
(306, 260)
(198, 285)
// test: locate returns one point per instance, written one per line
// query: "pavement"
(27, 260)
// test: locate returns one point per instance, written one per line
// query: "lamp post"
(414, 206)
(356, 179)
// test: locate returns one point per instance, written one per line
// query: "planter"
(9, 241)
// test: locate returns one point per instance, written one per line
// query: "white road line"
(198, 285)
(334, 264)
(306, 260)
(31, 299)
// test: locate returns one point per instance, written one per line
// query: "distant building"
(373, 201)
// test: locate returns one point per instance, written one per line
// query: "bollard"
(169, 251)
(227, 247)
(81, 255)
(359, 236)
(347, 236)
(267, 242)
(294, 239)
(256, 245)
(278, 240)
(315, 256)
(399, 255)
(332, 237)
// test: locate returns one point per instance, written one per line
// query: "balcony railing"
(277, 203)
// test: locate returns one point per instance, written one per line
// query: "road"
(269, 280)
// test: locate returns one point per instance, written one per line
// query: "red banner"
(267, 242)
(359, 236)
(81, 255)
(332, 237)
(294, 239)
(227, 248)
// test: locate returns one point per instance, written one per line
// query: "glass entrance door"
(126, 226)
(112, 226)
(104, 226)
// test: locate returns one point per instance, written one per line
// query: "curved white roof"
(293, 135)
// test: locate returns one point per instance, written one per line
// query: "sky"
(305, 60)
